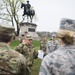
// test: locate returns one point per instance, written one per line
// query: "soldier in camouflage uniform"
(11, 62)
(43, 44)
(52, 45)
(62, 61)
(27, 49)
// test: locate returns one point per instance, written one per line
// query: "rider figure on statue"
(28, 6)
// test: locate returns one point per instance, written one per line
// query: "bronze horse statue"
(29, 13)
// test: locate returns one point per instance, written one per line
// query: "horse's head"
(22, 5)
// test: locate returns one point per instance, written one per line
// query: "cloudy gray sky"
(49, 13)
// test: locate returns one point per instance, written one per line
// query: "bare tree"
(9, 10)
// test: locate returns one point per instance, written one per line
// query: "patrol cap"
(67, 24)
(29, 37)
(44, 35)
(67, 27)
(53, 35)
(6, 30)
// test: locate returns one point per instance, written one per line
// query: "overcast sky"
(49, 13)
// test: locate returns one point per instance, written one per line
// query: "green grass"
(37, 45)
(36, 67)
(14, 44)
(37, 62)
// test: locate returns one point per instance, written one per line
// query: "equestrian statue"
(27, 11)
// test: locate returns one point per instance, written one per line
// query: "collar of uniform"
(67, 47)
(5, 45)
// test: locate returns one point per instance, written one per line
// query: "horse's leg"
(31, 20)
(23, 13)
(27, 18)
(31, 17)
(23, 18)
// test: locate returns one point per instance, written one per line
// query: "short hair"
(28, 1)
(5, 38)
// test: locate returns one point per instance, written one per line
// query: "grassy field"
(37, 62)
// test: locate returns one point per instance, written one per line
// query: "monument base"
(30, 28)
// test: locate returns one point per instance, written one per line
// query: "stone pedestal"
(30, 28)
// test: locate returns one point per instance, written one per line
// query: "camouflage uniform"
(43, 46)
(60, 62)
(29, 52)
(11, 62)
(52, 46)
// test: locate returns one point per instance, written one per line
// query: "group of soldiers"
(20, 60)
(49, 46)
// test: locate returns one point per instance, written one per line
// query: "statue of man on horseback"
(28, 11)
